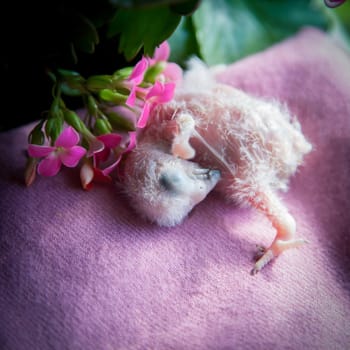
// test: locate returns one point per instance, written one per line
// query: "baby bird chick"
(254, 145)
(164, 188)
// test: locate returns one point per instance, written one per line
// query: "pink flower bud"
(30, 171)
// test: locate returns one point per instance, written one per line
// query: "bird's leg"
(284, 223)
(181, 143)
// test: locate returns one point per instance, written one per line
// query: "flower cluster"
(116, 107)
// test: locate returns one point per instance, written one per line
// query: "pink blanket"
(80, 270)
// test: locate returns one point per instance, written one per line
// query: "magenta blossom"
(110, 141)
(172, 71)
(90, 173)
(161, 53)
(131, 145)
(65, 151)
(159, 93)
(135, 79)
(95, 145)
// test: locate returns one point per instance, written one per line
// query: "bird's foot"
(264, 256)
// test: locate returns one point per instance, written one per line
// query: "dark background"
(36, 39)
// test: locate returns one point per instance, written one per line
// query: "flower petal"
(37, 151)
(155, 91)
(101, 156)
(167, 93)
(99, 176)
(130, 101)
(110, 168)
(173, 72)
(132, 141)
(86, 175)
(138, 72)
(161, 93)
(70, 157)
(30, 171)
(162, 52)
(69, 137)
(50, 165)
(110, 140)
(95, 146)
(141, 123)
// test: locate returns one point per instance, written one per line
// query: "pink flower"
(163, 89)
(90, 173)
(172, 71)
(132, 142)
(159, 93)
(30, 171)
(110, 142)
(65, 151)
(95, 145)
(161, 53)
(131, 145)
(135, 79)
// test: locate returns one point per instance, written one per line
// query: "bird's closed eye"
(170, 182)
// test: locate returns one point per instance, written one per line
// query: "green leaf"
(343, 14)
(185, 8)
(183, 42)
(145, 28)
(227, 30)
(147, 3)
(85, 35)
(339, 19)
(283, 18)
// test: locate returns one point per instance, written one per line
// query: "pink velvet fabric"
(80, 270)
